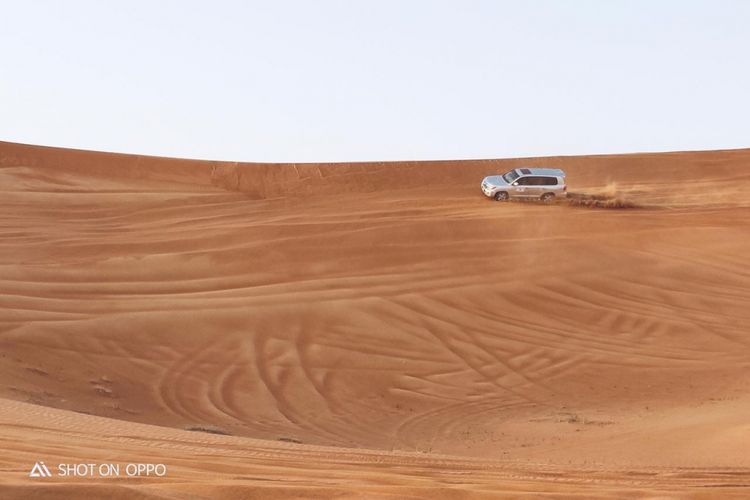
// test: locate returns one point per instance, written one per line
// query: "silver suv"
(541, 183)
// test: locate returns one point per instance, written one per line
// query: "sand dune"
(376, 329)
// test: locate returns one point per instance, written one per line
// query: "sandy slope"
(434, 339)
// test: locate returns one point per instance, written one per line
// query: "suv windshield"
(510, 176)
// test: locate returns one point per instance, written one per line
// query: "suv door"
(522, 186)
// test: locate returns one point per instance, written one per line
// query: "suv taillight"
(565, 188)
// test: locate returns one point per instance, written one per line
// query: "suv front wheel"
(501, 196)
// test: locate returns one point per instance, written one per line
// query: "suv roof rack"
(541, 171)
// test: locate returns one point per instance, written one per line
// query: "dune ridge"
(703, 177)
(374, 315)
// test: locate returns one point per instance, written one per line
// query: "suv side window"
(525, 181)
(548, 181)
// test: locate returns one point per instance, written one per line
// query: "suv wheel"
(501, 196)
(548, 197)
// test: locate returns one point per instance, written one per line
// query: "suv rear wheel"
(548, 197)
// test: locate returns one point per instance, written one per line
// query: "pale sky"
(324, 80)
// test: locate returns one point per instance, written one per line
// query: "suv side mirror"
(515, 183)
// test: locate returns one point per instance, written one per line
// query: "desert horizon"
(374, 329)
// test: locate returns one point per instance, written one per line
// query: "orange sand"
(373, 329)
